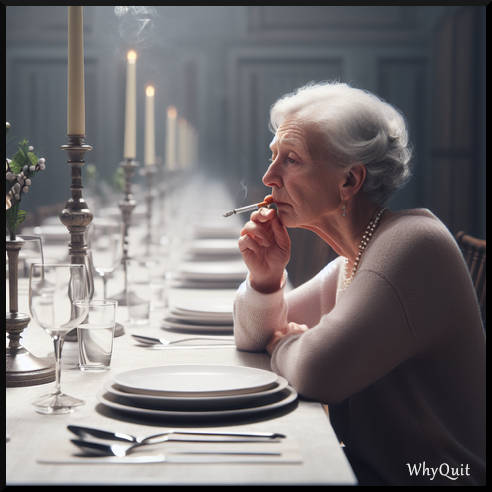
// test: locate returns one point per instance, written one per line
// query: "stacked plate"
(200, 315)
(211, 274)
(217, 230)
(197, 392)
(212, 249)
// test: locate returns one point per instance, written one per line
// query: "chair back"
(474, 252)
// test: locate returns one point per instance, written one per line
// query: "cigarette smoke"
(244, 187)
(136, 24)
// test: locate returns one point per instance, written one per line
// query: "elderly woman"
(388, 334)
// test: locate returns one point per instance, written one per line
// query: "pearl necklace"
(366, 237)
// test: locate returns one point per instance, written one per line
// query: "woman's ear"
(354, 179)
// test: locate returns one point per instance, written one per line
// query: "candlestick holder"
(126, 206)
(149, 171)
(22, 367)
(76, 215)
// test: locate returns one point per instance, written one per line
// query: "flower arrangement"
(19, 172)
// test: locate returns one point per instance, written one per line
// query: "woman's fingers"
(248, 243)
(294, 328)
(261, 233)
(280, 234)
(263, 215)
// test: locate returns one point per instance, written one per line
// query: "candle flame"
(131, 56)
(150, 91)
(171, 112)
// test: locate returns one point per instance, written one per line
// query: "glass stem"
(105, 286)
(58, 343)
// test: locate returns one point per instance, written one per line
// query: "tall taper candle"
(130, 150)
(76, 100)
(181, 142)
(171, 138)
(149, 155)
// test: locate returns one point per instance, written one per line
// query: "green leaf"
(17, 163)
(11, 217)
(14, 217)
(21, 216)
(32, 158)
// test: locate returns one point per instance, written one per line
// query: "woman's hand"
(265, 246)
(291, 329)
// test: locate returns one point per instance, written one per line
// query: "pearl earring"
(344, 210)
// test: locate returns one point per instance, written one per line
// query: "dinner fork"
(162, 341)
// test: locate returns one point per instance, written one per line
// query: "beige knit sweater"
(399, 356)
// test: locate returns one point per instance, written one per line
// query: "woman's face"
(305, 190)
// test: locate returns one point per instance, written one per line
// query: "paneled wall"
(458, 112)
(223, 67)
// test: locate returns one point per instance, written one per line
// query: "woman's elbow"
(317, 381)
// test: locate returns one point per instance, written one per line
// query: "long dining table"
(31, 437)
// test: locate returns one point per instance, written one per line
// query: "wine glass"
(105, 254)
(53, 291)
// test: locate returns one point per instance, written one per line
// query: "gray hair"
(356, 127)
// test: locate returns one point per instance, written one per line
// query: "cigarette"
(249, 208)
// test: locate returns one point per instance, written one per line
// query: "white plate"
(186, 283)
(199, 319)
(213, 270)
(181, 312)
(290, 396)
(193, 299)
(195, 380)
(176, 325)
(214, 246)
(205, 306)
(196, 403)
(217, 231)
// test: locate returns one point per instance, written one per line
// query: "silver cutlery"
(133, 460)
(162, 341)
(121, 450)
(82, 432)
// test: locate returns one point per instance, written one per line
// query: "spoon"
(121, 450)
(82, 432)
(163, 341)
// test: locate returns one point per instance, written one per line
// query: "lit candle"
(130, 150)
(182, 142)
(76, 102)
(171, 138)
(149, 126)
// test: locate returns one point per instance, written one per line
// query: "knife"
(136, 460)
(82, 431)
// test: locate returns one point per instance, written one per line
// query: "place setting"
(197, 393)
(94, 445)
